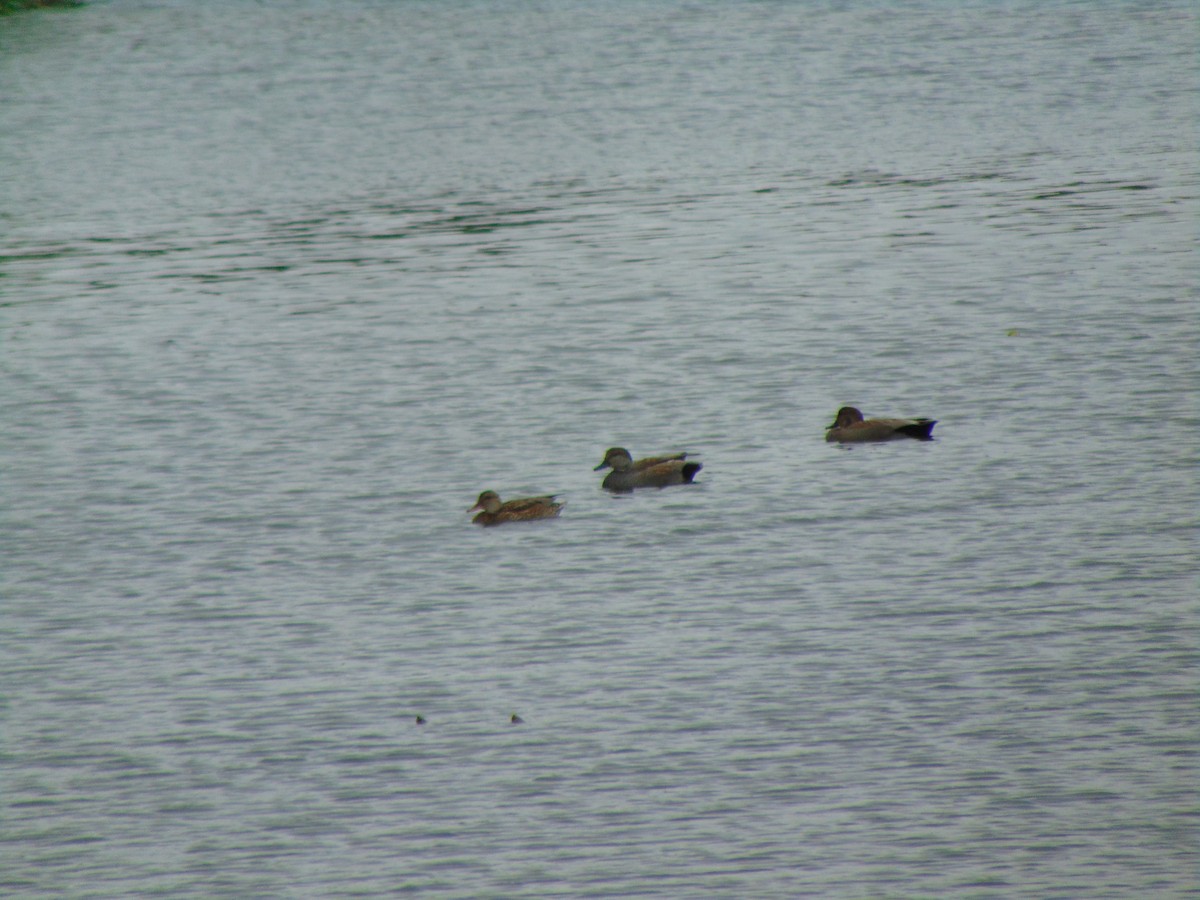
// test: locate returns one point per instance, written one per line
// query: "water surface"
(284, 287)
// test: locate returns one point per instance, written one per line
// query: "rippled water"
(284, 286)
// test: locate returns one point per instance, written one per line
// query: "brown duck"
(521, 510)
(653, 471)
(851, 427)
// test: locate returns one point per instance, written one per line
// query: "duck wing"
(651, 461)
(527, 504)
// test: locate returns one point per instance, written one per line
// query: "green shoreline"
(12, 6)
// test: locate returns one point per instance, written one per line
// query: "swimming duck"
(520, 510)
(653, 471)
(851, 427)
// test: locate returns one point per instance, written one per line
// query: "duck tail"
(922, 429)
(689, 471)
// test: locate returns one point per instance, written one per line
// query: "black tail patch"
(689, 471)
(921, 429)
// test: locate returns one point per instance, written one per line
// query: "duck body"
(523, 509)
(653, 471)
(850, 427)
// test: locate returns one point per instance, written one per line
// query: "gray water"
(284, 286)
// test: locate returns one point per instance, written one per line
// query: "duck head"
(617, 458)
(847, 415)
(489, 501)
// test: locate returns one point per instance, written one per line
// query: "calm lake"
(285, 285)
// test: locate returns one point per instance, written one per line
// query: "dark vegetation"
(12, 6)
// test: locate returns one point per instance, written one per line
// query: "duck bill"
(603, 465)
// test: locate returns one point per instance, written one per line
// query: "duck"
(653, 471)
(520, 510)
(851, 427)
